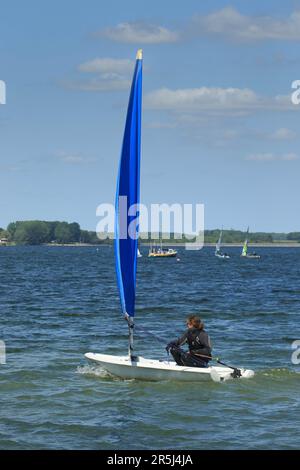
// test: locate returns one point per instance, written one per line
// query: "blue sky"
(218, 124)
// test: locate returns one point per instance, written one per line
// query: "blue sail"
(128, 196)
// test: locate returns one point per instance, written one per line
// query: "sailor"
(198, 342)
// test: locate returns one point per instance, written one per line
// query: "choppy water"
(58, 303)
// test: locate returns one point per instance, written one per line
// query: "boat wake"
(97, 371)
(280, 373)
(93, 371)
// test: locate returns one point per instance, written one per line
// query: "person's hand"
(169, 346)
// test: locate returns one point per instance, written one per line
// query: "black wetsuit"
(199, 345)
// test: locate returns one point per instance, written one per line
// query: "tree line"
(231, 236)
(37, 232)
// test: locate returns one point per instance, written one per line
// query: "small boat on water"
(126, 249)
(160, 252)
(139, 255)
(245, 253)
(218, 251)
(155, 370)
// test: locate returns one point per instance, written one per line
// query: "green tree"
(74, 232)
(85, 236)
(11, 228)
(294, 236)
(32, 232)
(62, 233)
(52, 226)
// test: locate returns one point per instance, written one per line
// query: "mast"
(127, 203)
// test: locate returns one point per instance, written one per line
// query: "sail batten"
(128, 196)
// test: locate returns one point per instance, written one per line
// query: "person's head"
(193, 321)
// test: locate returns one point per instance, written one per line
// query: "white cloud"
(71, 158)
(140, 33)
(101, 84)
(290, 156)
(109, 75)
(161, 125)
(218, 100)
(262, 157)
(194, 99)
(10, 168)
(283, 134)
(107, 66)
(230, 23)
(268, 157)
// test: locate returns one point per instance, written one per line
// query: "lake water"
(59, 302)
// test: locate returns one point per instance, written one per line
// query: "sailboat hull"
(162, 255)
(154, 370)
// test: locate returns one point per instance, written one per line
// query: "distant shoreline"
(283, 244)
(180, 245)
(260, 245)
(239, 245)
(55, 233)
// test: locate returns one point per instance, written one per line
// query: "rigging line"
(158, 338)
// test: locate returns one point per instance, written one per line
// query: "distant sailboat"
(160, 252)
(218, 251)
(245, 253)
(245, 248)
(139, 255)
(126, 248)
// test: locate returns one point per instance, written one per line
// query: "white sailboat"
(155, 370)
(139, 255)
(218, 251)
(132, 366)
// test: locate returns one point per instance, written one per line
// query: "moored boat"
(162, 253)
